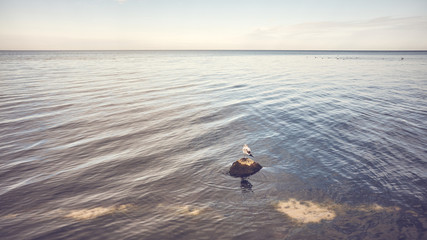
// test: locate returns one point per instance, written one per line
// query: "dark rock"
(244, 167)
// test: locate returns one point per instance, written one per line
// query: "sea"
(138, 144)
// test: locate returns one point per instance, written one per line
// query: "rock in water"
(244, 167)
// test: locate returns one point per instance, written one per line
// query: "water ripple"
(157, 132)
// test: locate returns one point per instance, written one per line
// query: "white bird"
(246, 150)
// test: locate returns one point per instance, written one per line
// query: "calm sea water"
(137, 144)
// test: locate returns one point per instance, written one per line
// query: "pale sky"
(213, 24)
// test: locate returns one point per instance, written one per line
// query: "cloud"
(379, 33)
(120, 1)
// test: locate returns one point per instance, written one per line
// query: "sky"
(213, 24)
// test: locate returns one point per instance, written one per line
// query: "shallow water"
(137, 144)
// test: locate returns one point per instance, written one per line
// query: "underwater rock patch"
(304, 211)
(91, 213)
(183, 210)
(10, 216)
(192, 211)
(375, 208)
(244, 167)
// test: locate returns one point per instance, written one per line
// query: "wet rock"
(244, 167)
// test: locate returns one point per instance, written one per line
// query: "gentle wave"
(157, 131)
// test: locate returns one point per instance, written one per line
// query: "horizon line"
(288, 50)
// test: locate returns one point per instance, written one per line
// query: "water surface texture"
(138, 144)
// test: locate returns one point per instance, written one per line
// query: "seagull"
(246, 150)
